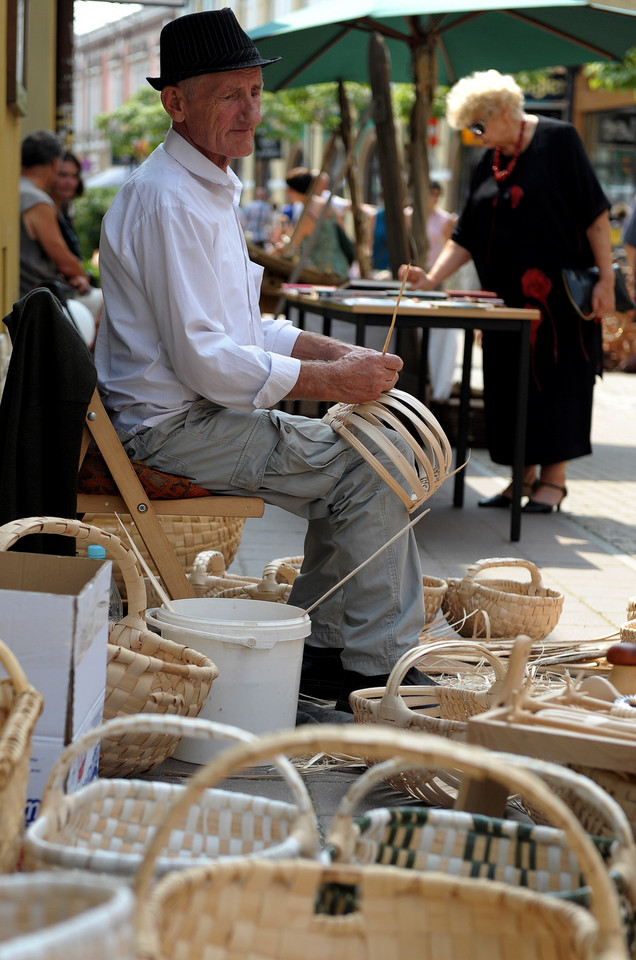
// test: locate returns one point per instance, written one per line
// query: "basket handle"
(392, 708)
(344, 833)
(416, 750)
(10, 533)
(479, 565)
(55, 803)
(14, 671)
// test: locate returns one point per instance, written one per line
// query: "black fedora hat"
(208, 42)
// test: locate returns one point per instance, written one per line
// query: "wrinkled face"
(66, 183)
(218, 112)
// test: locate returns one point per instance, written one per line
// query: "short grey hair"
(482, 95)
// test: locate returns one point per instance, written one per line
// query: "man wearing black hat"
(192, 372)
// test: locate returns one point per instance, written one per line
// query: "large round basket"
(145, 673)
(188, 535)
(513, 607)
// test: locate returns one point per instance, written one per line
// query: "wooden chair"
(131, 497)
(49, 383)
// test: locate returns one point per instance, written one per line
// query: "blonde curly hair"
(482, 95)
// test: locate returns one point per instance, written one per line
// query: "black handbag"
(580, 282)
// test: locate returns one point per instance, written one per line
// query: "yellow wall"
(40, 106)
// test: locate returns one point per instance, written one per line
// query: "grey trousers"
(304, 467)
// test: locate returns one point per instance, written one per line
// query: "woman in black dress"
(535, 206)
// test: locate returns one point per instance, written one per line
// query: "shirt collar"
(194, 161)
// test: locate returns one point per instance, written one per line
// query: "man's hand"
(357, 377)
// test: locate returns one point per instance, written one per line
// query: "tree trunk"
(424, 68)
(390, 168)
(362, 253)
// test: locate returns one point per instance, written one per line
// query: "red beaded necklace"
(499, 174)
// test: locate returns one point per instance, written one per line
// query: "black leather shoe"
(358, 681)
(499, 500)
(321, 673)
(538, 506)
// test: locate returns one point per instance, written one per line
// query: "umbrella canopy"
(328, 41)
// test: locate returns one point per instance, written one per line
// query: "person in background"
(324, 252)
(629, 243)
(442, 344)
(67, 187)
(45, 258)
(256, 218)
(192, 374)
(535, 206)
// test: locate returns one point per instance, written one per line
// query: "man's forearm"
(313, 346)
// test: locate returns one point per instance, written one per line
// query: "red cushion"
(95, 477)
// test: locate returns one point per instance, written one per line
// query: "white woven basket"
(105, 826)
(65, 915)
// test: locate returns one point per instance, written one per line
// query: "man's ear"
(172, 100)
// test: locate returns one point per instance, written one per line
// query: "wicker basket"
(513, 607)
(627, 631)
(210, 579)
(631, 608)
(105, 826)
(20, 707)
(65, 916)
(145, 673)
(441, 710)
(188, 535)
(434, 590)
(462, 844)
(276, 910)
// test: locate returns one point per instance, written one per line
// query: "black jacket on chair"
(49, 384)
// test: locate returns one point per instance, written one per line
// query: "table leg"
(519, 448)
(463, 419)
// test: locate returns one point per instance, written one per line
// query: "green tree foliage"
(286, 113)
(136, 127)
(613, 75)
(88, 211)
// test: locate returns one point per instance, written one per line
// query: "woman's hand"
(418, 278)
(603, 298)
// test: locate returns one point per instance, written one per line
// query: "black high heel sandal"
(501, 500)
(538, 506)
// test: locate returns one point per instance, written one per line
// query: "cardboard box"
(54, 617)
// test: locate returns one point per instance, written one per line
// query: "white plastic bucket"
(257, 646)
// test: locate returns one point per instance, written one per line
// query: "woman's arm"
(600, 240)
(450, 259)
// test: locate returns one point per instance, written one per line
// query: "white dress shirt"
(181, 317)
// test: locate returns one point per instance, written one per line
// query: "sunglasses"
(478, 128)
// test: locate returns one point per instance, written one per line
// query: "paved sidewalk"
(587, 550)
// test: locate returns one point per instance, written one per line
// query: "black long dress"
(521, 233)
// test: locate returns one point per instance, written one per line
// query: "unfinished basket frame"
(20, 707)
(145, 673)
(415, 424)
